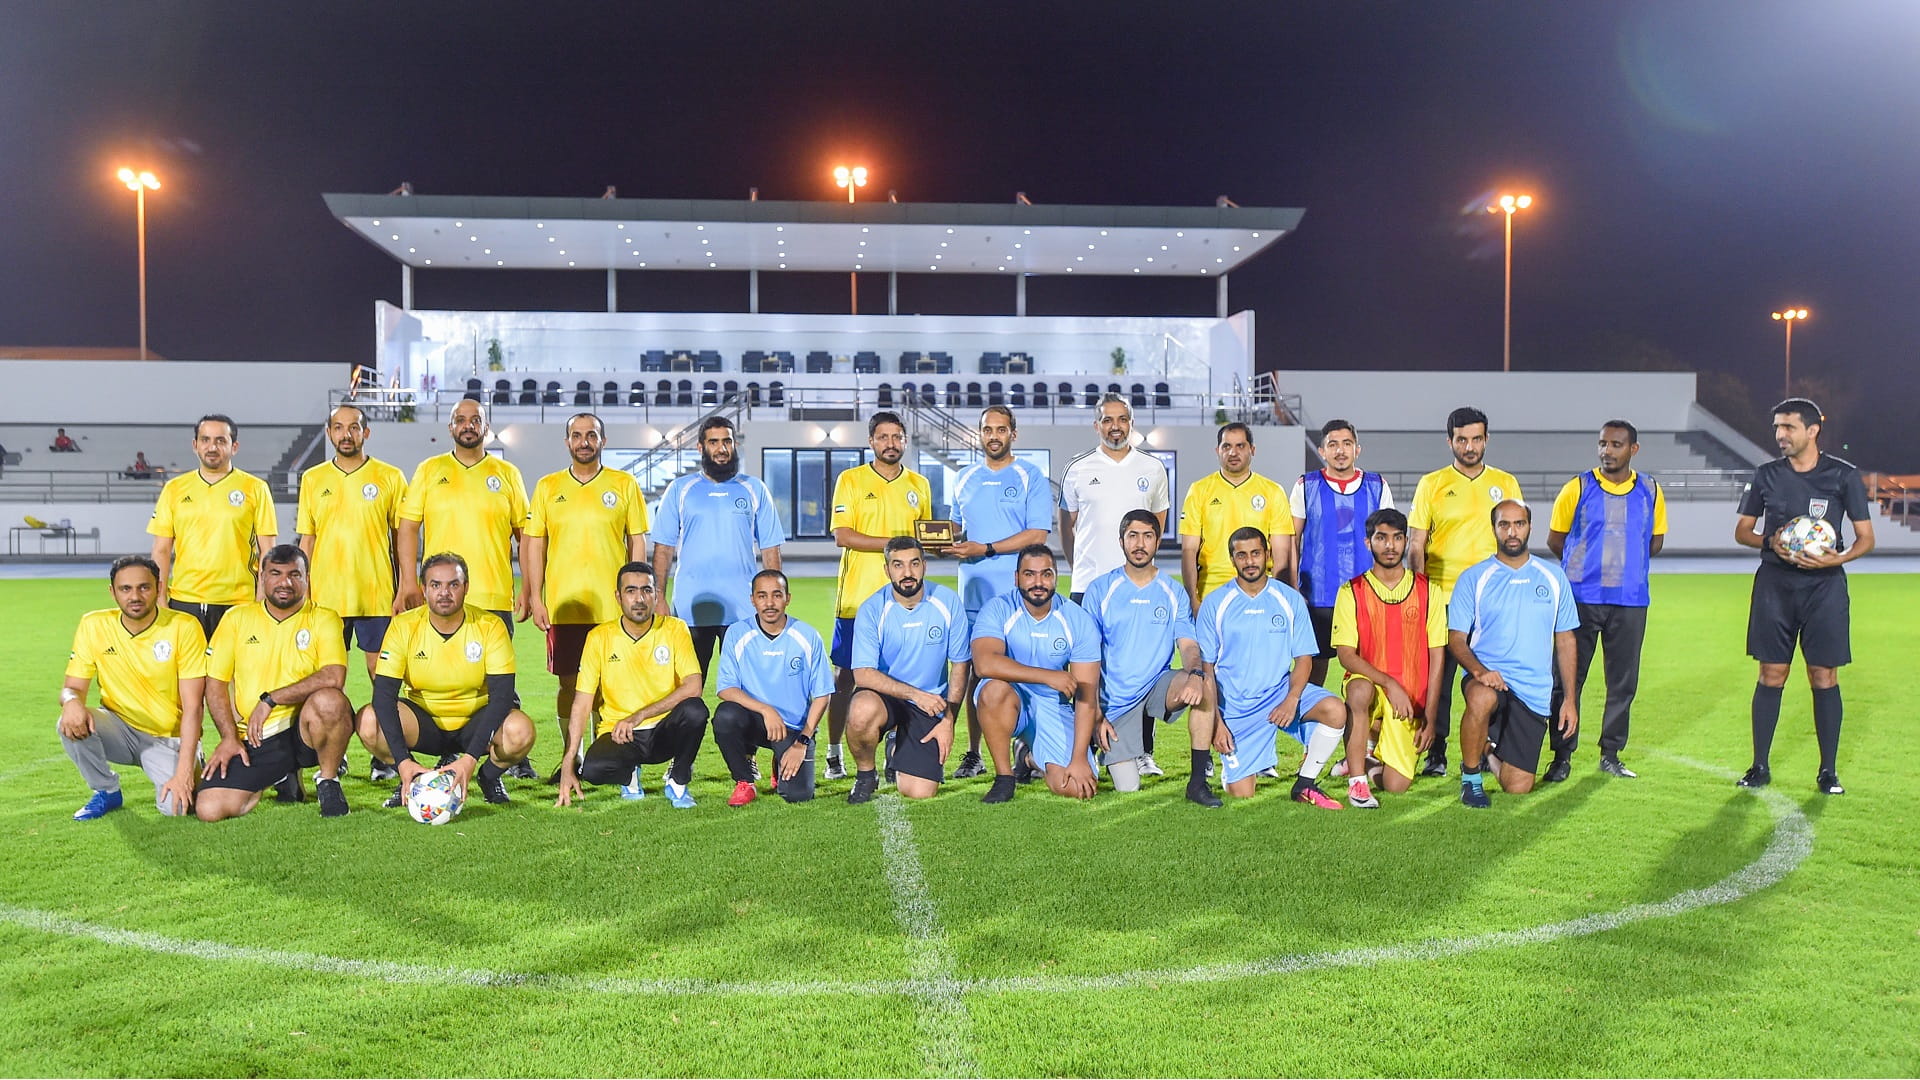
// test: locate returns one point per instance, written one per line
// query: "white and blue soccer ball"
(434, 798)
(1809, 536)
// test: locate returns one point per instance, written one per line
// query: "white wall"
(165, 391)
(1513, 401)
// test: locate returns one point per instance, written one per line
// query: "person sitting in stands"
(140, 470)
(63, 443)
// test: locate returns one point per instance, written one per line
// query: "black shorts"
(1808, 607)
(207, 615)
(705, 638)
(368, 631)
(269, 763)
(910, 755)
(1515, 732)
(433, 740)
(1322, 620)
(506, 617)
(565, 643)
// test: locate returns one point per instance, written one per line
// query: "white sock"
(833, 750)
(1321, 744)
(1124, 774)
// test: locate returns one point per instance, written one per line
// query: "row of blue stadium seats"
(820, 362)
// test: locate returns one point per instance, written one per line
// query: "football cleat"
(1148, 766)
(863, 789)
(1829, 784)
(1559, 770)
(1360, 796)
(1757, 776)
(1306, 791)
(1474, 795)
(1001, 791)
(970, 766)
(494, 790)
(632, 789)
(1610, 765)
(522, 770)
(835, 769)
(1436, 765)
(1199, 793)
(677, 794)
(743, 793)
(100, 805)
(381, 770)
(333, 801)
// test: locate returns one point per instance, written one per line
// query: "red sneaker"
(743, 793)
(1313, 796)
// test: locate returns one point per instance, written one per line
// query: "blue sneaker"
(678, 795)
(102, 803)
(1474, 795)
(632, 789)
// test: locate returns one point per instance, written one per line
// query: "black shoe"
(970, 766)
(1199, 792)
(1436, 765)
(333, 801)
(382, 770)
(1560, 770)
(445, 760)
(523, 770)
(554, 779)
(1001, 791)
(494, 790)
(290, 789)
(864, 785)
(395, 801)
(1757, 776)
(892, 777)
(1829, 784)
(1610, 764)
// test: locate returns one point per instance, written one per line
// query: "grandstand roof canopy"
(458, 232)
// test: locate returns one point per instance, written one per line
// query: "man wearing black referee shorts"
(1800, 597)
(911, 649)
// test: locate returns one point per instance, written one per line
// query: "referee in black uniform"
(1800, 597)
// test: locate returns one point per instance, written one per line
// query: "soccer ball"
(1809, 536)
(434, 798)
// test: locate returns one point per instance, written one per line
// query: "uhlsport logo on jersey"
(236, 498)
(662, 654)
(303, 639)
(609, 499)
(370, 492)
(473, 652)
(493, 483)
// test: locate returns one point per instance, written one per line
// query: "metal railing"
(1540, 487)
(102, 485)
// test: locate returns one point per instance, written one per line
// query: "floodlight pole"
(140, 221)
(613, 292)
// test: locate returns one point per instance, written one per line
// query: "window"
(802, 485)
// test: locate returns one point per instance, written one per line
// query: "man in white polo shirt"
(1100, 486)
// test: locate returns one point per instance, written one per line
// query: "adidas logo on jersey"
(421, 655)
(444, 480)
(559, 498)
(110, 651)
(253, 639)
(186, 498)
(324, 492)
(871, 495)
(1215, 502)
(1093, 481)
(614, 659)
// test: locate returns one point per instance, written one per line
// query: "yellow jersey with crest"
(446, 674)
(255, 653)
(867, 502)
(1457, 512)
(587, 526)
(214, 526)
(139, 674)
(631, 673)
(351, 517)
(472, 511)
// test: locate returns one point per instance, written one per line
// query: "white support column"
(406, 287)
(1020, 294)
(1220, 303)
(753, 291)
(893, 293)
(613, 292)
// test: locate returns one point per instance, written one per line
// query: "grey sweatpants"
(115, 742)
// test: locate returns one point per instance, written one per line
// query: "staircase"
(1717, 454)
(937, 434)
(679, 453)
(284, 477)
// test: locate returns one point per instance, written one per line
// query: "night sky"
(1697, 164)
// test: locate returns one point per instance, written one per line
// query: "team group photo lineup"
(1463, 629)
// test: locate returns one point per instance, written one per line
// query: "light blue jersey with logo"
(786, 671)
(1139, 627)
(1252, 642)
(716, 529)
(913, 645)
(1064, 636)
(1510, 616)
(992, 504)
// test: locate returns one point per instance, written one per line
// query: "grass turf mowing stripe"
(946, 1029)
(1789, 845)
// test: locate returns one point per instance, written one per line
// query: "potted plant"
(1119, 360)
(496, 360)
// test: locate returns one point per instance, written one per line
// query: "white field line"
(30, 766)
(1790, 844)
(946, 1028)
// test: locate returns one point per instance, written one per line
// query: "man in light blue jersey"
(910, 656)
(1248, 628)
(775, 678)
(716, 521)
(1143, 615)
(1001, 504)
(1510, 626)
(1038, 655)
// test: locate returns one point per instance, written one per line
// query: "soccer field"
(1671, 925)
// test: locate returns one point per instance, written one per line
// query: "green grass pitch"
(1129, 935)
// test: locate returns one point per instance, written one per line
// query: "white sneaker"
(836, 770)
(1360, 796)
(1270, 773)
(1339, 769)
(1148, 766)
(632, 789)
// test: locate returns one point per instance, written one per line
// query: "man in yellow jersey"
(872, 504)
(644, 667)
(1222, 501)
(457, 665)
(348, 508)
(151, 661)
(285, 662)
(473, 504)
(1449, 529)
(207, 527)
(1389, 630)
(583, 523)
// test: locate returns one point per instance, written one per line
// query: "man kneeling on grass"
(1389, 629)
(643, 667)
(1510, 623)
(910, 655)
(286, 661)
(1038, 654)
(456, 662)
(775, 681)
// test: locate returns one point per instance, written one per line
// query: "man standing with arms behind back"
(1798, 596)
(1448, 530)
(348, 508)
(872, 504)
(209, 525)
(1607, 526)
(473, 504)
(583, 524)
(1330, 510)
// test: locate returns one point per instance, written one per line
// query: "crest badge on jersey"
(303, 639)
(474, 652)
(236, 497)
(662, 654)
(493, 483)
(1817, 508)
(609, 500)
(1259, 502)
(163, 650)
(1495, 494)
(1141, 483)
(913, 498)
(370, 492)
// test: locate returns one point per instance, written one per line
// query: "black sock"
(1201, 759)
(1002, 778)
(1766, 717)
(1826, 725)
(865, 774)
(489, 771)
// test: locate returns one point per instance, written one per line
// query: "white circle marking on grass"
(1788, 846)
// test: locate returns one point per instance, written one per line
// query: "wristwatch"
(268, 698)
(803, 738)
(990, 551)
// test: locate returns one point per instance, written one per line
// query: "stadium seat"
(709, 394)
(953, 399)
(1162, 396)
(529, 392)
(777, 394)
(753, 394)
(866, 363)
(928, 396)
(884, 396)
(1137, 396)
(663, 392)
(1066, 395)
(502, 392)
(637, 395)
(730, 391)
(785, 361)
(610, 393)
(996, 394)
(819, 363)
(552, 394)
(1092, 396)
(1017, 398)
(474, 386)
(1040, 395)
(583, 393)
(683, 394)
(992, 363)
(974, 399)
